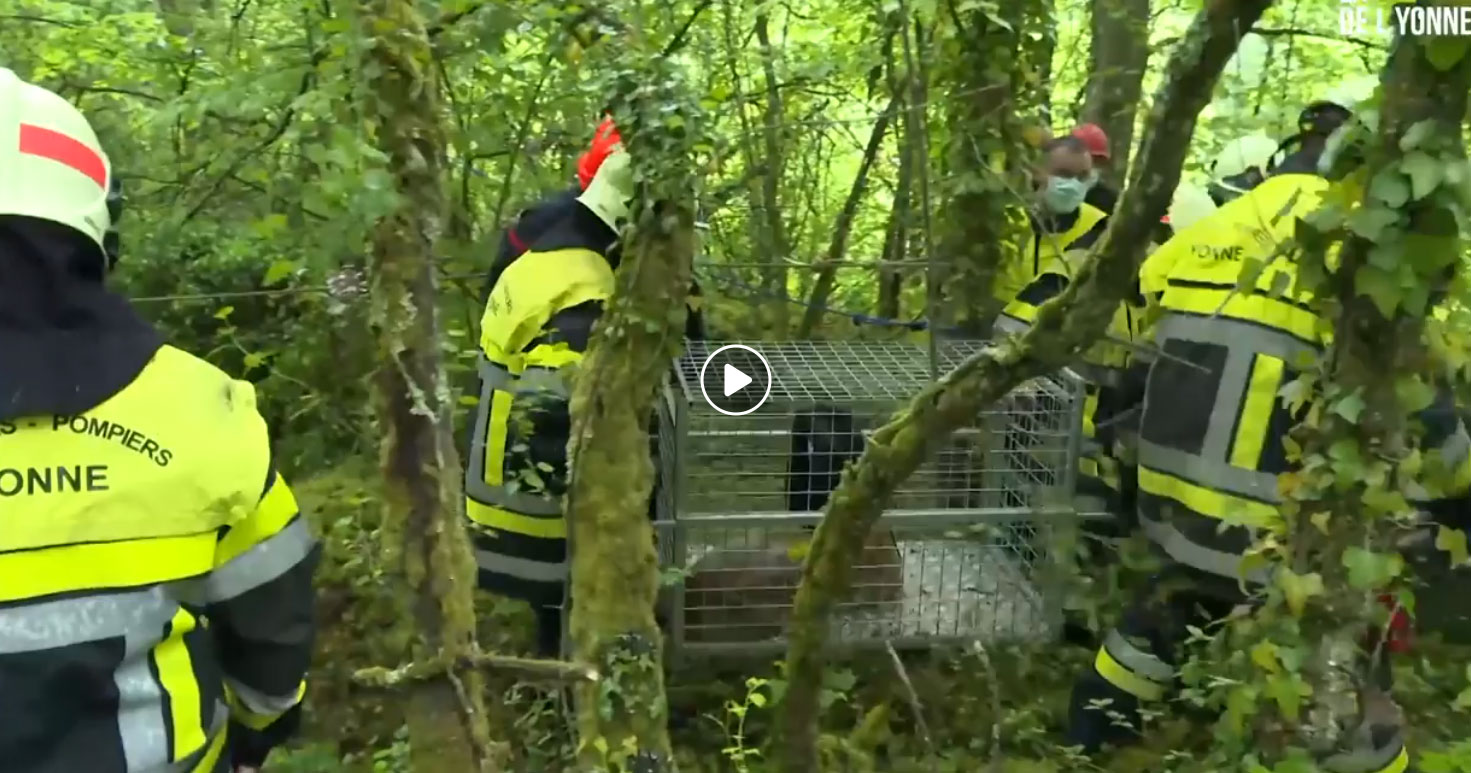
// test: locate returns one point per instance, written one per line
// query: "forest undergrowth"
(970, 696)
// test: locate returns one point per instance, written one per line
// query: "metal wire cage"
(956, 554)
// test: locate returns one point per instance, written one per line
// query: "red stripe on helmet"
(38, 141)
(603, 142)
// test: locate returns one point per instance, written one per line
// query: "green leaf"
(278, 271)
(1287, 691)
(254, 360)
(1416, 135)
(1350, 408)
(1390, 187)
(1368, 570)
(1413, 393)
(1443, 52)
(1424, 172)
(1298, 588)
(1382, 288)
(1453, 541)
(1370, 222)
(225, 312)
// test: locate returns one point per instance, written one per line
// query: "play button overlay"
(735, 380)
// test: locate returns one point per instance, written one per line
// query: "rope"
(744, 292)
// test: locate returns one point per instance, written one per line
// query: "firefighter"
(155, 573)
(533, 222)
(538, 320)
(1104, 486)
(1211, 446)
(1059, 221)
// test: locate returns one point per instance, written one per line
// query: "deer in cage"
(744, 594)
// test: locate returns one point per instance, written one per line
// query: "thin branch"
(277, 132)
(526, 669)
(678, 41)
(915, 706)
(1287, 32)
(995, 766)
(450, 19)
(37, 20)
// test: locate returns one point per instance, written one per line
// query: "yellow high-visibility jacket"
(537, 322)
(155, 578)
(1107, 399)
(1041, 249)
(1210, 441)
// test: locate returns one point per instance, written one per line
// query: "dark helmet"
(1322, 118)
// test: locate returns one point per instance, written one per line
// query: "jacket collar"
(67, 343)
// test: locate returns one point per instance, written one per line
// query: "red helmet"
(603, 141)
(1094, 138)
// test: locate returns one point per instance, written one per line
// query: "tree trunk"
(1378, 369)
(615, 570)
(1119, 55)
(421, 468)
(1065, 325)
(778, 249)
(843, 227)
(985, 73)
(896, 234)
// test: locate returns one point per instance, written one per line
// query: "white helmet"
(1190, 205)
(51, 165)
(1243, 153)
(610, 191)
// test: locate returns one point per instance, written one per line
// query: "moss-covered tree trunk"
(421, 468)
(1394, 203)
(987, 73)
(1119, 54)
(1065, 326)
(622, 719)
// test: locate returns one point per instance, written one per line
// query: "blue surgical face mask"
(1064, 194)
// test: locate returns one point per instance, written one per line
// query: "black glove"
(249, 747)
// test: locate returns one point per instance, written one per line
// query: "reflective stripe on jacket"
(1042, 249)
(1210, 445)
(155, 578)
(516, 472)
(1103, 367)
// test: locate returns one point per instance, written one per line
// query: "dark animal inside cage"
(742, 590)
(744, 595)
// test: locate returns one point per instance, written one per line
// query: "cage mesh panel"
(962, 537)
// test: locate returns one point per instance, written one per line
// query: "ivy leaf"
(1350, 408)
(278, 271)
(1413, 393)
(1390, 187)
(1264, 655)
(1320, 521)
(1368, 570)
(1385, 501)
(1424, 172)
(1287, 691)
(1443, 52)
(1415, 135)
(1453, 541)
(1382, 288)
(1298, 588)
(1370, 222)
(225, 312)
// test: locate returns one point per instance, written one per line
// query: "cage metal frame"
(675, 522)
